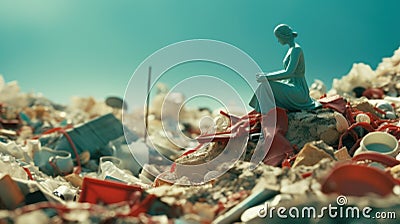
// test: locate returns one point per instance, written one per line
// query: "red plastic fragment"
(374, 93)
(286, 163)
(233, 118)
(336, 103)
(143, 206)
(280, 146)
(377, 157)
(358, 180)
(28, 172)
(289, 159)
(96, 191)
(273, 128)
(277, 152)
(305, 175)
(238, 128)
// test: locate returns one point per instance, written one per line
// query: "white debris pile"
(360, 75)
(386, 76)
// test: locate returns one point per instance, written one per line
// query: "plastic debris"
(65, 193)
(358, 180)
(90, 136)
(317, 89)
(98, 191)
(51, 168)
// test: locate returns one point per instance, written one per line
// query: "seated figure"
(289, 87)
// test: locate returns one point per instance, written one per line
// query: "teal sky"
(92, 47)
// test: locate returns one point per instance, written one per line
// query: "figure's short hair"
(284, 31)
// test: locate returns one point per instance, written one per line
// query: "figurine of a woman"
(289, 86)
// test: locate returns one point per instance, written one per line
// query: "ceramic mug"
(53, 162)
(380, 142)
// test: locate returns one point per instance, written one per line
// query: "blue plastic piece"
(92, 136)
(25, 118)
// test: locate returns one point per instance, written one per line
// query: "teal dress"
(289, 86)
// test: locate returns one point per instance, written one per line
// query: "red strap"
(376, 157)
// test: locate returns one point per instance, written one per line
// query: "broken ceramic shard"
(53, 162)
(342, 154)
(363, 118)
(312, 153)
(341, 122)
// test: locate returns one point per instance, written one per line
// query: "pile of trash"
(76, 163)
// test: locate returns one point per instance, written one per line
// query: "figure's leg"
(263, 100)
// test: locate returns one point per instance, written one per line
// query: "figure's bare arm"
(289, 71)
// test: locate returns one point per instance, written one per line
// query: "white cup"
(380, 142)
(116, 161)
